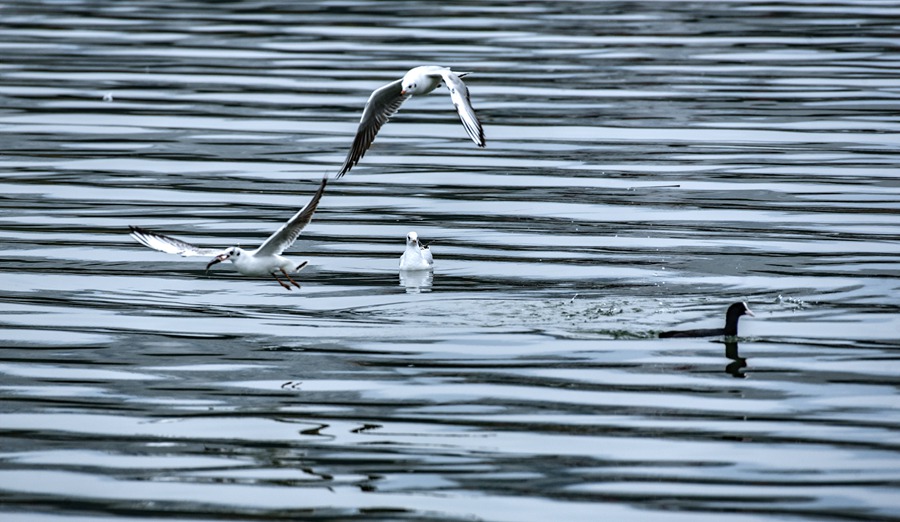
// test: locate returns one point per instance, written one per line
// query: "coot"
(734, 313)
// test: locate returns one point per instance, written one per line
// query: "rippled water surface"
(647, 164)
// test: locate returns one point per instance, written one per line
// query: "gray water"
(647, 164)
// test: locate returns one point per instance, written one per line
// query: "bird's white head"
(234, 254)
(410, 83)
(412, 239)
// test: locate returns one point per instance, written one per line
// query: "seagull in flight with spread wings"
(385, 102)
(265, 260)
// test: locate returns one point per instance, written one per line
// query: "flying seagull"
(265, 260)
(386, 101)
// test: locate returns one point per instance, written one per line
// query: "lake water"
(647, 164)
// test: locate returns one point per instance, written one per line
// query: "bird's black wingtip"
(345, 168)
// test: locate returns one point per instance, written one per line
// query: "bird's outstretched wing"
(382, 104)
(459, 94)
(170, 245)
(287, 234)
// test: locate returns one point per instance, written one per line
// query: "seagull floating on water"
(265, 260)
(416, 256)
(734, 313)
(386, 100)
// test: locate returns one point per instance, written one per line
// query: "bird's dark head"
(734, 313)
(739, 309)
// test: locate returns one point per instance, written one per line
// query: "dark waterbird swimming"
(734, 313)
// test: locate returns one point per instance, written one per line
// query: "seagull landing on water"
(386, 101)
(265, 260)
(416, 256)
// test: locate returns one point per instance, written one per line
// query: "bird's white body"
(254, 264)
(416, 257)
(386, 101)
(264, 261)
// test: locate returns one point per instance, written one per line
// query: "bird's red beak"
(218, 259)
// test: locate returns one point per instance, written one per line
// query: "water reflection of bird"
(265, 260)
(734, 313)
(416, 256)
(385, 102)
(416, 281)
(737, 363)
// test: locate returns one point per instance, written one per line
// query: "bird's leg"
(280, 282)
(289, 278)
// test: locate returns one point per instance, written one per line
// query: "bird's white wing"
(287, 234)
(459, 94)
(426, 253)
(170, 245)
(382, 104)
